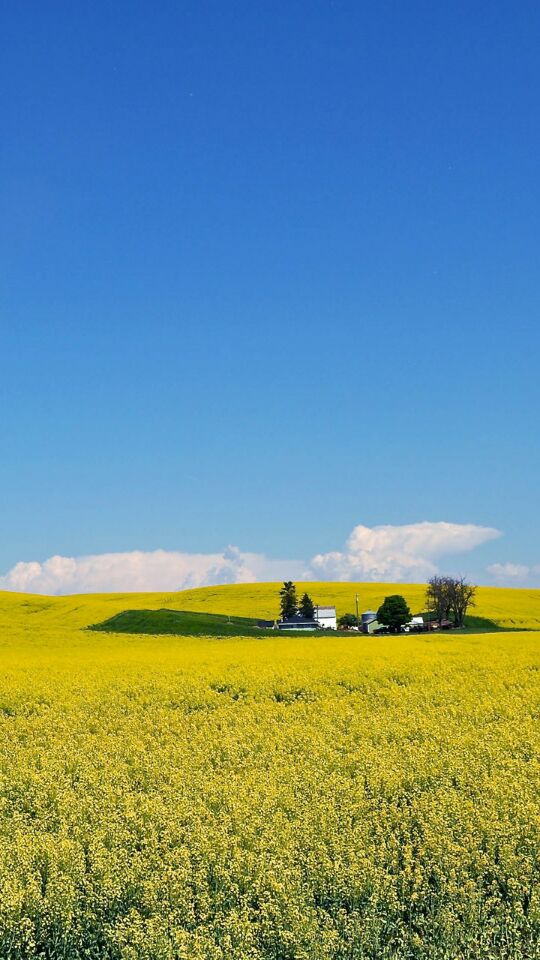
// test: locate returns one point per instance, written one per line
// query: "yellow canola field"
(330, 798)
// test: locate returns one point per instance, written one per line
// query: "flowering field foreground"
(293, 799)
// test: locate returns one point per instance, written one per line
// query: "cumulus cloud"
(516, 574)
(393, 553)
(399, 553)
(145, 570)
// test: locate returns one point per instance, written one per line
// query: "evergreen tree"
(288, 601)
(394, 612)
(307, 608)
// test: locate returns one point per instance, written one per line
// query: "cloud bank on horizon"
(515, 574)
(399, 553)
(390, 553)
(140, 570)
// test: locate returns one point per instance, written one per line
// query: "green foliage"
(394, 612)
(307, 608)
(480, 625)
(181, 622)
(348, 620)
(288, 601)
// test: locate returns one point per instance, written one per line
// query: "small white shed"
(326, 617)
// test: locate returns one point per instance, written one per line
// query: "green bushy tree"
(348, 620)
(394, 612)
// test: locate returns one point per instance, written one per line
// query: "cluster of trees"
(290, 606)
(393, 613)
(447, 598)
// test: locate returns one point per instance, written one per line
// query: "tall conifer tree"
(288, 601)
(307, 608)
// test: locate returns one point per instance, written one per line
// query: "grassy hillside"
(180, 622)
(506, 607)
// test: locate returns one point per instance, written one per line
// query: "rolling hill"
(509, 608)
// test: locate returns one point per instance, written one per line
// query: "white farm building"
(326, 617)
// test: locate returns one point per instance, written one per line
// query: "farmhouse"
(324, 619)
(298, 622)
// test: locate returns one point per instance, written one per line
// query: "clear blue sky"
(269, 271)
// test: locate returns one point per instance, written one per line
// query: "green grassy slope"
(181, 622)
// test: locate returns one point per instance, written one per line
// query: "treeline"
(290, 606)
(447, 600)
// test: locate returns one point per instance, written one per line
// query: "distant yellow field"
(507, 607)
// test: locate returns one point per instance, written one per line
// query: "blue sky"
(270, 273)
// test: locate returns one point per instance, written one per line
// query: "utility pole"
(357, 614)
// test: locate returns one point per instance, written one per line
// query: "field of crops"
(265, 799)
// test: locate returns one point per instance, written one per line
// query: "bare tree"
(449, 597)
(438, 594)
(461, 598)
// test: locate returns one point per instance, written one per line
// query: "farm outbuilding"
(368, 617)
(298, 622)
(326, 617)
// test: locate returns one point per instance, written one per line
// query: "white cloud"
(392, 553)
(516, 574)
(511, 570)
(399, 553)
(140, 570)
